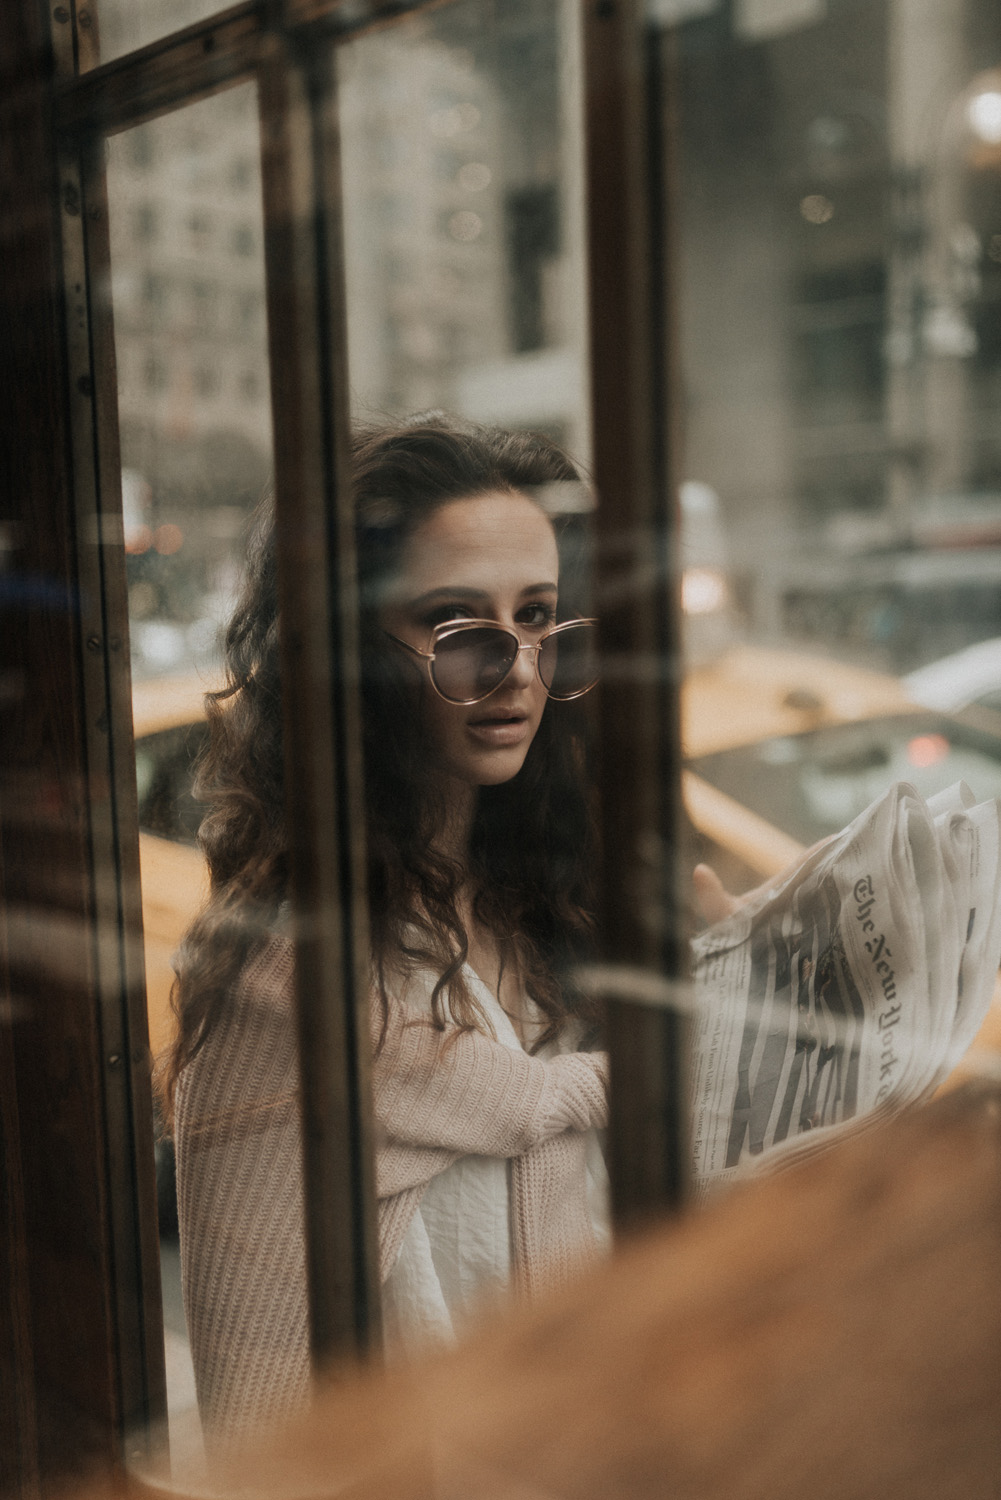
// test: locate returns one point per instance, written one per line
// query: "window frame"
(289, 49)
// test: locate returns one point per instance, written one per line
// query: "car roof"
(755, 693)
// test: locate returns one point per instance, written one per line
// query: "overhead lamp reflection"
(474, 176)
(984, 115)
(703, 591)
(816, 209)
(465, 226)
(454, 119)
(138, 539)
(168, 539)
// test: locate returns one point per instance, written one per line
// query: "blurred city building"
(838, 231)
(187, 294)
(463, 246)
(463, 202)
(839, 296)
(423, 215)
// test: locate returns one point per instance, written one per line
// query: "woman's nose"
(522, 670)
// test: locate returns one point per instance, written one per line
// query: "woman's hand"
(716, 903)
(713, 900)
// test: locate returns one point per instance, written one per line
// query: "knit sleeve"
(461, 1091)
(239, 1181)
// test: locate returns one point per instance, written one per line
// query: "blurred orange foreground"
(828, 1333)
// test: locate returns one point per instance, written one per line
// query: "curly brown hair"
(532, 841)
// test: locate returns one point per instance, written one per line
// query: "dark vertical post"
(641, 911)
(125, 1059)
(85, 1361)
(319, 656)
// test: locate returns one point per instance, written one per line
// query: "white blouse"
(456, 1257)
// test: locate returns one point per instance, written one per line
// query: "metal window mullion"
(209, 55)
(180, 69)
(123, 1058)
(325, 806)
(641, 917)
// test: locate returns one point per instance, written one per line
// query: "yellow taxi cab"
(169, 726)
(752, 697)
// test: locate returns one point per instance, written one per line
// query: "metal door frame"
(67, 106)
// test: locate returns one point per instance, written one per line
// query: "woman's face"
(487, 557)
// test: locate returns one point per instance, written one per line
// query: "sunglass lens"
(469, 664)
(568, 661)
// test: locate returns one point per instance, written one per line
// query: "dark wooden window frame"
(66, 522)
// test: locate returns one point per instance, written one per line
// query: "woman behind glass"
(480, 847)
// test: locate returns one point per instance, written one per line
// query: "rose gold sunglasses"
(470, 659)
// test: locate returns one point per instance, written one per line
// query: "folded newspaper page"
(852, 987)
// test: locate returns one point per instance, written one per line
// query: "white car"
(966, 679)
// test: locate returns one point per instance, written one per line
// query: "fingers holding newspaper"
(847, 986)
(715, 903)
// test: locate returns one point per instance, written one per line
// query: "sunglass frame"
(461, 627)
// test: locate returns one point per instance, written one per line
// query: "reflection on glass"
(187, 288)
(124, 25)
(837, 215)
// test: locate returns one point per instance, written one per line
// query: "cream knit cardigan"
(438, 1096)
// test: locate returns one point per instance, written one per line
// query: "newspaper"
(852, 987)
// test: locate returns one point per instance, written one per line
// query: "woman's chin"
(500, 775)
(489, 767)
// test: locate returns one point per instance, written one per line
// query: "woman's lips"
(499, 728)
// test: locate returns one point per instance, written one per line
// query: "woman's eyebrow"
(460, 591)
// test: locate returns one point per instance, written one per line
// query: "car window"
(810, 785)
(164, 770)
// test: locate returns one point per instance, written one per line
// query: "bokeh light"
(984, 115)
(927, 750)
(168, 539)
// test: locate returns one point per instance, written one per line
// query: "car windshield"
(813, 784)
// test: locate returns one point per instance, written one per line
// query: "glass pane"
(187, 288)
(462, 162)
(124, 25)
(461, 143)
(838, 211)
